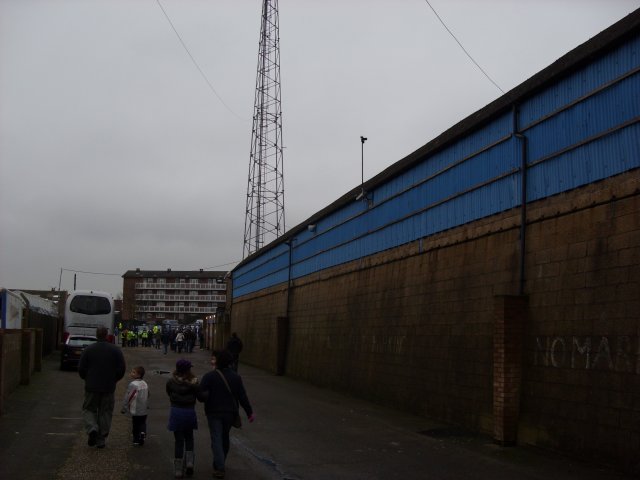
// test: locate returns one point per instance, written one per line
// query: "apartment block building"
(153, 296)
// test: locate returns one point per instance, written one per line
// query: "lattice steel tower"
(264, 219)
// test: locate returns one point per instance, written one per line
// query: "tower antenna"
(264, 220)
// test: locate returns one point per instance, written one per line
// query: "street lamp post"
(362, 140)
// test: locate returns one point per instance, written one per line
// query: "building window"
(194, 280)
(193, 293)
(162, 280)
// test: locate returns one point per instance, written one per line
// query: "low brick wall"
(30, 355)
(20, 358)
(10, 358)
(50, 327)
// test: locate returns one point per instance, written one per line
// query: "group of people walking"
(221, 390)
(140, 337)
(177, 339)
(181, 340)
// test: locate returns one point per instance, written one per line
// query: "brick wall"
(258, 326)
(415, 327)
(128, 299)
(408, 329)
(583, 380)
(51, 330)
(10, 360)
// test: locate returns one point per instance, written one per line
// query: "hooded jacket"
(182, 391)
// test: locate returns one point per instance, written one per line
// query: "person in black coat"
(222, 390)
(234, 347)
(101, 366)
(165, 338)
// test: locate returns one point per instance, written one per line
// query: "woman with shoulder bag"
(222, 391)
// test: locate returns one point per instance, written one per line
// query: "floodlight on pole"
(362, 140)
(264, 213)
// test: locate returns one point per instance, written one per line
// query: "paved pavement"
(301, 432)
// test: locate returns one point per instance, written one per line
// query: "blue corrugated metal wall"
(582, 129)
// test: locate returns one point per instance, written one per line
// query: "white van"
(86, 310)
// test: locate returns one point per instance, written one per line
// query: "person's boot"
(188, 462)
(177, 467)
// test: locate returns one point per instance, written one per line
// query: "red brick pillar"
(508, 346)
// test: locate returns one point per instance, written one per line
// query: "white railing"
(181, 286)
(210, 310)
(181, 298)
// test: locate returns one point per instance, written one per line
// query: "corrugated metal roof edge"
(564, 66)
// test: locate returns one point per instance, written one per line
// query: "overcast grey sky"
(115, 153)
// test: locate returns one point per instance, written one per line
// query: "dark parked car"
(72, 349)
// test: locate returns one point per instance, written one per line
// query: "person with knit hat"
(183, 391)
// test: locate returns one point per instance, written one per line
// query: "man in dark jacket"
(101, 366)
(165, 338)
(222, 389)
(234, 347)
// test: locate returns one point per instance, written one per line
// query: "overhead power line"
(196, 63)
(222, 265)
(462, 47)
(120, 274)
(90, 273)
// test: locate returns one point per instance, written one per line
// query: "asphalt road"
(301, 432)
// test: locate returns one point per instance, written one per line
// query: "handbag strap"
(228, 387)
